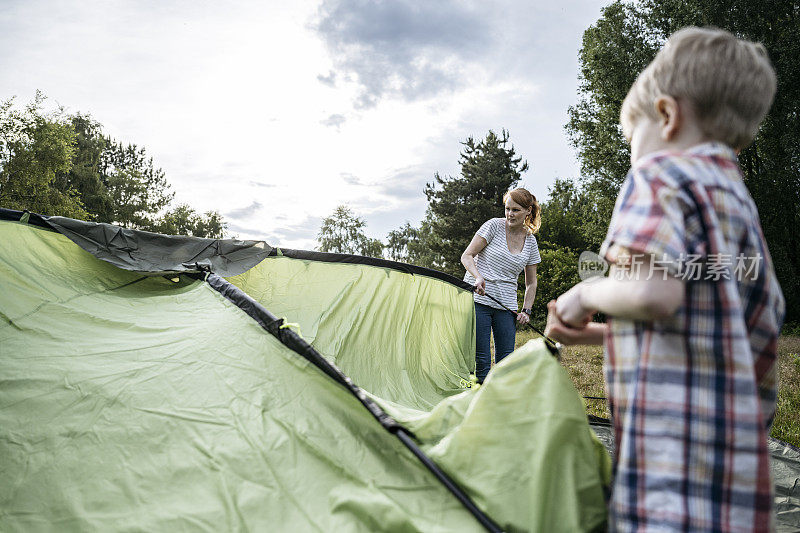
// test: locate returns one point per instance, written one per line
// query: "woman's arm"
(477, 244)
(530, 293)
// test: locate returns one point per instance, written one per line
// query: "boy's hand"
(569, 308)
(558, 331)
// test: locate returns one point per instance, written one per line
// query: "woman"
(500, 250)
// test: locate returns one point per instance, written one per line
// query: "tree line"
(576, 212)
(56, 163)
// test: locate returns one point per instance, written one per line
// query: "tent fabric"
(785, 469)
(296, 343)
(132, 401)
(399, 336)
(153, 253)
(329, 257)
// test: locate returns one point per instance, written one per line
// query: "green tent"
(152, 382)
(161, 383)
(142, 390)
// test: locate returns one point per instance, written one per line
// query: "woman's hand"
(480, 285)
(523, 318)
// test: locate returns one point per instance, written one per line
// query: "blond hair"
(729, 83)
(524, 198)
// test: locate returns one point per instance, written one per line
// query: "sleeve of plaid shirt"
(650, 218)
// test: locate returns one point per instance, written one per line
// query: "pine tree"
(85, 176)
(457, 206)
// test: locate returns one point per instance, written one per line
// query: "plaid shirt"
(692, 396)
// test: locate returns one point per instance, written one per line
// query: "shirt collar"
(714, 149)
(707, 149)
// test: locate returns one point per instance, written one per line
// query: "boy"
(693, 304)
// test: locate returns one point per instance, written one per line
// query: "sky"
(274, 113)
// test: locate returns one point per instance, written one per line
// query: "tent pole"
(553, 346)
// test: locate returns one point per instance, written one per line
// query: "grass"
(585, 366)
(786, 426)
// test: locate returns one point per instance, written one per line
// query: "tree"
(342, 232)
(34, 148)
(397, 242)
(563, 215)
(615, 49)
(56, 164)
(138, 190)
(556, 274)
(119, 184)
(183, 220)
(411, 245)
(420, 250)
(85, 176)
(371, 248)
(457, 206)
(624, 40)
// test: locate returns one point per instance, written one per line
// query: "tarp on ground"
(131, 401)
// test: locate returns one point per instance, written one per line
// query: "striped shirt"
(499, 267)
(692, 396)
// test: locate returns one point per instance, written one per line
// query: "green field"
(585, 367)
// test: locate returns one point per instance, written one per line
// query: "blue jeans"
(491, 320)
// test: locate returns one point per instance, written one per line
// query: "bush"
(557, 273)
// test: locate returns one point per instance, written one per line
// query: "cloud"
(238, 231)
(245, 212)
(307, 229)
(405, 48)
(262, 184)
(350, 179)
(380, 226)
(406, 184)
(302, 234)
(388, 203)
(329, 80)
(334, 121)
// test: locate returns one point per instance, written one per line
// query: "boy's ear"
(670, 117)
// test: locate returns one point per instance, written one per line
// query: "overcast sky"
(275, 112)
